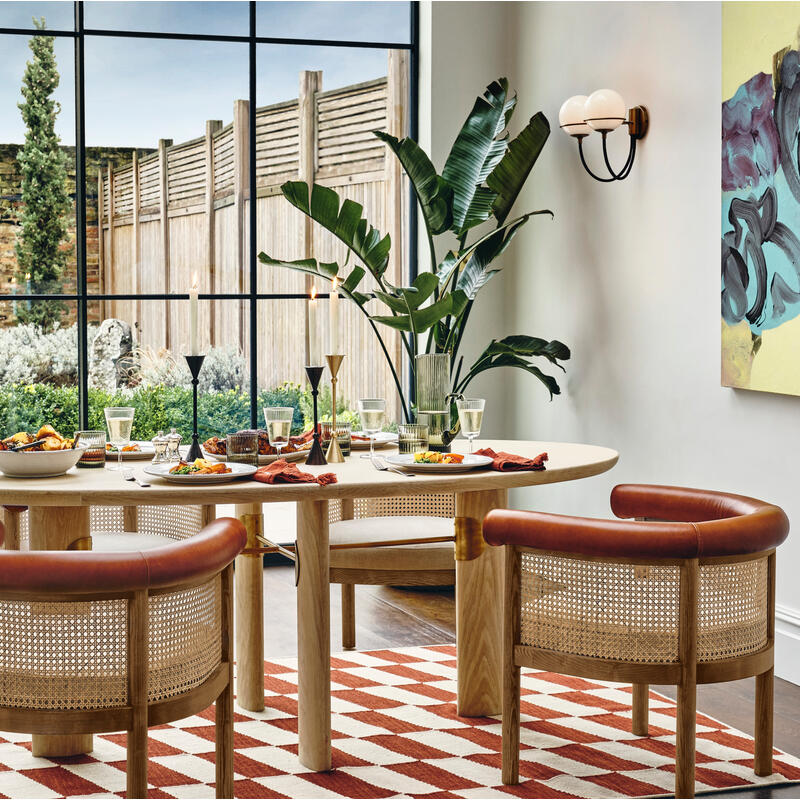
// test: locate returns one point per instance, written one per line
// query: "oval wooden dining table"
(59, 519)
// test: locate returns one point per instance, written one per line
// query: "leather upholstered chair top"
(680, 590)
(154, 643)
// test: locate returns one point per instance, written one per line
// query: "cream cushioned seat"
(437, 556)
(126, 541)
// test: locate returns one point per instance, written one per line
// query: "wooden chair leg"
(11, 523)
(763, 727)
(348, 616)
(686, 722)
(137, 694)
(511, 672)
(224, 749)
(640, 709)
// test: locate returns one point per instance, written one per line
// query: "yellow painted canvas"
(761, 196)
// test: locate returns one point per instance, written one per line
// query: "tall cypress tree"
(40, 246)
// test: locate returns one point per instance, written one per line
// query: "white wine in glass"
(279, 425)
(120, 425)
(470, 415)
(373, 414)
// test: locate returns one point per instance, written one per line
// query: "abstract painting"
(761, 196)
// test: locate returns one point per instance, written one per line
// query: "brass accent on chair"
(469, 538)
(84, 543)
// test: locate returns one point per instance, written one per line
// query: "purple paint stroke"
(750, 149)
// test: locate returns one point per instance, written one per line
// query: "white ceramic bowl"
(45, 464)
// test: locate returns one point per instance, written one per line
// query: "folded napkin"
(508, 462)
(282, 471)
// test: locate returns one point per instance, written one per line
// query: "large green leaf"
(420, 320)
(346, 223)
(475, 153)
(405, 299)
(509, 176)
(433, 193)
(515, 351)
(325, 270)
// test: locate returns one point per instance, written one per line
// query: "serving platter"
(469, 463)
(144, 453)
(237, 471)
(382, 439)
(297, 455)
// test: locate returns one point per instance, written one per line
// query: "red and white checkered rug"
(396, 734)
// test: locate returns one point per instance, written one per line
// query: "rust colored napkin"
(282, 471)
(508, 462)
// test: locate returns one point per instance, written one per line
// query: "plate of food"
(360, 440)
(135, 451)
(200, 471)
(46, 455)
(439, 462)
(217, 448)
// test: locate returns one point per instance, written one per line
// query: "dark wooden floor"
(392, 617)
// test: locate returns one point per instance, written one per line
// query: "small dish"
(382, 439)
(145, 452)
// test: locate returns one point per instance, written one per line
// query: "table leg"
(53, 528)
(479, 617)
(249, 627)
(313, 635)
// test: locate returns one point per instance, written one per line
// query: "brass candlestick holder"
(334, 454)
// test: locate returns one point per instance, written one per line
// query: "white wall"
(627, 274)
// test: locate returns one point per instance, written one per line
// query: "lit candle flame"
(194, 281)
(313, 292)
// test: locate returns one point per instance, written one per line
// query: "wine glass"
(373, 414)
(470, 415)
(119, 420)
(279, 425)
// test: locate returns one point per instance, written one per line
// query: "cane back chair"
(355, 525)
(99, 642)
(684, 595)
(119, 528)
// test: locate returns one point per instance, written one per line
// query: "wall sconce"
(603, 111)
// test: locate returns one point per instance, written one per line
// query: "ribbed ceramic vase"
(433, 388)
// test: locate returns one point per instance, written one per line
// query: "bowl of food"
(48, 454)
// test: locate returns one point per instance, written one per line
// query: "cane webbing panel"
(627, 612)
(427, 505)
(62, 656)
(174, 522)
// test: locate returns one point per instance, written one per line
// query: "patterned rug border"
(395, 734)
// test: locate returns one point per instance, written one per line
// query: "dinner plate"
(237, 471)
(382, 439)
(145, 452)
(298, 455)
(469, 463)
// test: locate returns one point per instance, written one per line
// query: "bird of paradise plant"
(482, 177)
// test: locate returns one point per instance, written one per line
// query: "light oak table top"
(356, 478)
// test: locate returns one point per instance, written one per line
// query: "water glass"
(412, 438)
(120, 424)
(373, 414)
(95, 454)
(470, 415)
(343, 432)
(279, 425)
(242, 447)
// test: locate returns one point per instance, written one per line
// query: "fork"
(381, 465)
(127, 473)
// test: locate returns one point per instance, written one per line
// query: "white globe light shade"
(604, 110)
(570, 117)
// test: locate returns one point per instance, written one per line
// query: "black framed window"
(173, 115)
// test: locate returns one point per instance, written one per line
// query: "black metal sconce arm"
(637, 123)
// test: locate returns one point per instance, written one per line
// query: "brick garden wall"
(10, 202)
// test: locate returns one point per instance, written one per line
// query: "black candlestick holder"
(316, 456)
(195, 364)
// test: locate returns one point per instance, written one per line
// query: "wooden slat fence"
(185, 210)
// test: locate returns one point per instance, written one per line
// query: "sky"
(141, 90)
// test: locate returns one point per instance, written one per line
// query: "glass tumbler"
(94, 456)
(343, 432)
(412, 438)
(242, 447)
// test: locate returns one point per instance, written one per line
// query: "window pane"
(342, 21)
(38, 374)
(144, 100)
(337, 129)
(143, 365)
(58, 16)
(221, 18)
(37, 229)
